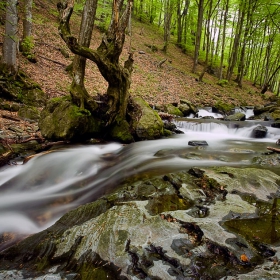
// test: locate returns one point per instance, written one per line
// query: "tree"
(78, 91)
(198, 33)
(106, 56)
(10, 45)
(27, 20)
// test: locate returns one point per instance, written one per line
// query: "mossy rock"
(145, 122)
(276, 114)
(236, 117)
(193, 109)
(223, 107)
(172, 110)
(121, 132)
(22, 89)
(29, 112)
(62, 120)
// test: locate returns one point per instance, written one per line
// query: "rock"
(62, 120)
(197, 143)
(29, 112)
(272, 160)
(172, 110)
(147, 230)
(259, 132)
(187, 107)
(276, 124)
(145, 122)
(236, 117)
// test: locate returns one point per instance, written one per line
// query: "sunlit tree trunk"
(78, 91)
(198, 34)
(10, 45)
(236, 42)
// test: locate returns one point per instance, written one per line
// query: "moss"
(223, 107)
(121, 132)
(170, 109)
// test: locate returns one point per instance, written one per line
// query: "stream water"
(35, 194)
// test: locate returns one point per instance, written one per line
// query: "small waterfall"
(224, 129)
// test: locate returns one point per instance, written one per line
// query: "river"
(35, 194)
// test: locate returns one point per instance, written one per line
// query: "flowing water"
(35, 194)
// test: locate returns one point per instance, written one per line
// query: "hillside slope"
(169, 83)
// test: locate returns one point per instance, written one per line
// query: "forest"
(233, 39)
(139, 139)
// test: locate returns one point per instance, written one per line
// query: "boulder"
(276, 124)
(62, 120)
(236, 117)
(157, 228)
(259, 132)
(187, 107)
(29, 112)
(22, 89)
(172, 110)
(145, 123)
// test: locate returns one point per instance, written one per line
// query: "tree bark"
(10, 45)
(106, 56)
(27, 20)
(78, 91)
(198, 34)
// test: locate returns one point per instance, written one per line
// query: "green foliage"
(27, 44)
(223, 83)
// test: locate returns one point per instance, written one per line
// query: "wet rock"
(120, 237)
(276, 124)
(259, 131)
(197, 143)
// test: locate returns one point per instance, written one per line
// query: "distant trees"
(233, 39)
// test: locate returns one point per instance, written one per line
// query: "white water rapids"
(35, 194)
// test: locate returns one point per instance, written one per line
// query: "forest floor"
(169, 83)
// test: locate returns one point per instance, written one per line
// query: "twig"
(11, 118)
(57, 62)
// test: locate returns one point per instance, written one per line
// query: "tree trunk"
(106, 56)
(235, 46)
(78, 91)
(27, 20)
(10, 45)
(266, 85)
(198, 34)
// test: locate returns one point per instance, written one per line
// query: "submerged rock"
(197, 143)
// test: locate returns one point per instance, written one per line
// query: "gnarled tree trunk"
(78, 91)
(106, 56)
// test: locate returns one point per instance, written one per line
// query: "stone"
(145, 122)
(236, 117)
(172, 110)
(197, 143)
(259, 132)
(276, 124)
(62, 120)
(29, 112)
